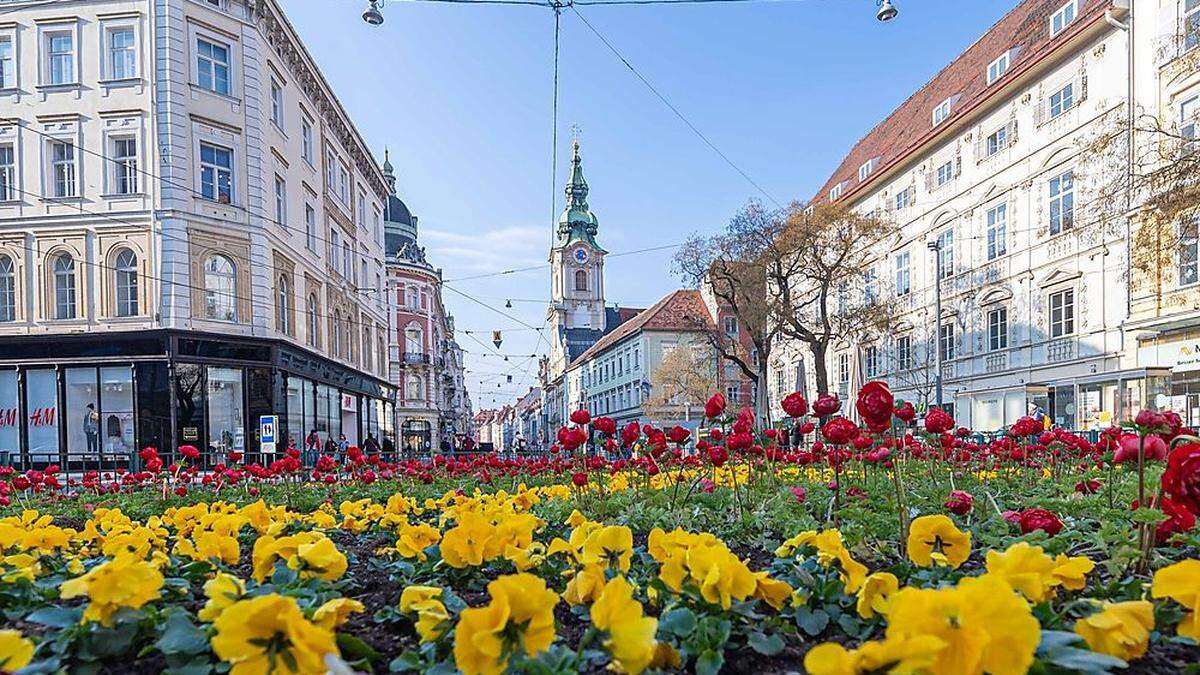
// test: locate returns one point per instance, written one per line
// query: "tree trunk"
(819, 367)
(761, 407)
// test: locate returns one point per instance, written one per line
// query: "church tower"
(576, 314)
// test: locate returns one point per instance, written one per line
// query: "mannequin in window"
(91, 428)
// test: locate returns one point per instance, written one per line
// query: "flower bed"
(824, 544)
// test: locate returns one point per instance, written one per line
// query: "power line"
(669, 105)
(544, 266)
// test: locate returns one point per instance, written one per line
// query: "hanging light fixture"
(887, 11)
(373, 16)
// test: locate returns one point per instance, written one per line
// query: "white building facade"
(985, 172)
(191, 236)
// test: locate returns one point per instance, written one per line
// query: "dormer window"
(1062, 18)
(997, 68)
(835, 193)
(941, 112)
(866, 169)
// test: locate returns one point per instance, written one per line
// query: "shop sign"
(1179, 356)
(349, 403)
(42, 417)
(8, 417)
(191, 433)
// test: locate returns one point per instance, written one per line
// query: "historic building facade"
(987, 173)
(191, 236)
(433, 409)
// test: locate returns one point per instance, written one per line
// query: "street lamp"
(375, 17)
(887, 11)
(936, 247)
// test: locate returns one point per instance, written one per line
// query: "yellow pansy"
(774, 592)
(1120, 629)
(521, 604)
(465, 545)
(630, 634)
(585, 586)
(875, 592)
(576, 519)
(1028, 569)
(893, 655)
(320, 559)
(1071, 572)
(935, 539)
(720, 574)
(269, 634)
(222, 591)
(124, 581)
(985, 626)
(16, 651)
(526, 558)
(1181, 583)
(610, 547)
(788, 548)
(412, 540)
(425, 602)
(335, 612)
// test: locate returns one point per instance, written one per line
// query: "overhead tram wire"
(543, 266)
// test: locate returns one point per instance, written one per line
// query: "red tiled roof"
(910, 126)
(678, 311)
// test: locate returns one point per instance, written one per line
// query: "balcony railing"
(1062, 349)
(997, 362)
(415, 358)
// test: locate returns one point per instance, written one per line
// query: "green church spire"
(577, 222)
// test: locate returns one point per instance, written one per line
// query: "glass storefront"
(41, 405)
(417, 438)
(10, 417)
(226, 413)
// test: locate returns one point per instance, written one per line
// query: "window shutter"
(1011, 133)
(1039, 112)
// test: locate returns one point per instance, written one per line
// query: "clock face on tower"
(580, 255)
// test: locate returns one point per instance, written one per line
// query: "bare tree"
(682, 382)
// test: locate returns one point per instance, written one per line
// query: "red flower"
(678, 435)
(715, 407)
(581, 417)
(630, 434)
(189, 451)
(1040, 519)
(875, 405)
(1181, 481)
(794, 405)
(807, 428)
(798, 493)
(938, 421)
(740, 441)
(826, 404)
(1127, 448)
(235, 456)
(906, 412)
(716, 435)
(959, 503)
(1179, 520)
(839, 430)
(606, 426)
(1026, 426)
(579, 478)
(717, 455)
(1087, 487)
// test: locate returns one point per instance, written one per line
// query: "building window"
(306, 140)
(871, 360)
(314, 320)
(997, 141)
(1062, 313)
(344, 183)
(347, 267)
(64, 287)
(1189, 233)
(283, 306)
(62, 169)
(8, 290)
(212, 66)
(366, 348)
(1189, 118)
(731, 325)
(8, 65)
(1061, 18)
(1062, 100)
(8, 173)
(946, 341)
(310, 227)
(122, 53)
(414, 340)
(903, 280)
(362, 209)
(997, 320)
(335, 334)
(1062, 202)
(414, 298)
(945, 173)
(997, 231)
(1191, 24)
(280, 201)
(60, 58)
(835, 192)
(904, 353)
(843, 367)
(904, 199)
(866, 169)
(125, 166)
(126, 282)
(997, 68)
(216, 173)
(941, 112)
(870, 287)
(334, 244)
(276, 103)
(220, 288)
(581, 280)
(945, 254)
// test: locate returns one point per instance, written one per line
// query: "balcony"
(996, 362)
(414, 359)
(1062, 349)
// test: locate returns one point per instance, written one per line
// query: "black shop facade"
(92, 401)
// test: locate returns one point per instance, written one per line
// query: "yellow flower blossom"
(124, 581)
(585, 586)
(222, 591)
(16, 651)
(321, 559)
(335, 612)
(774, 592)
(610, 547)
(425, 602)
(875, 592)
(630, 634)
(412, 540)
(519, 603)
(465, 544)
(1181, 583)
(1120, 629)
(1034, 574)
(269, 634)
(935, 539)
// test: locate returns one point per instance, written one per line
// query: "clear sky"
(461, 95)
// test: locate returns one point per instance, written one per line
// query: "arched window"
(126, 283)
(414, 297)
(283, 306)
(314, 322)
(335, 334)
(348, 338)
(414, 388)
(220, 288)
(581, 280)
(8, 290)
(64, 287)
(414, 340)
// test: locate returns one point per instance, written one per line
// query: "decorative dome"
(577, 222)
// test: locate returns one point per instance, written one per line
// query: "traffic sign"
(267, 429)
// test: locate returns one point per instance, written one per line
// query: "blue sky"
(461, 95)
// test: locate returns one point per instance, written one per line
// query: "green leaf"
(709, 662)
(767, 645)
(680, 621)
(405, 662)
(354, 649)
(56, 617)
(812, 621)
(181, 636)
(1084, 661)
